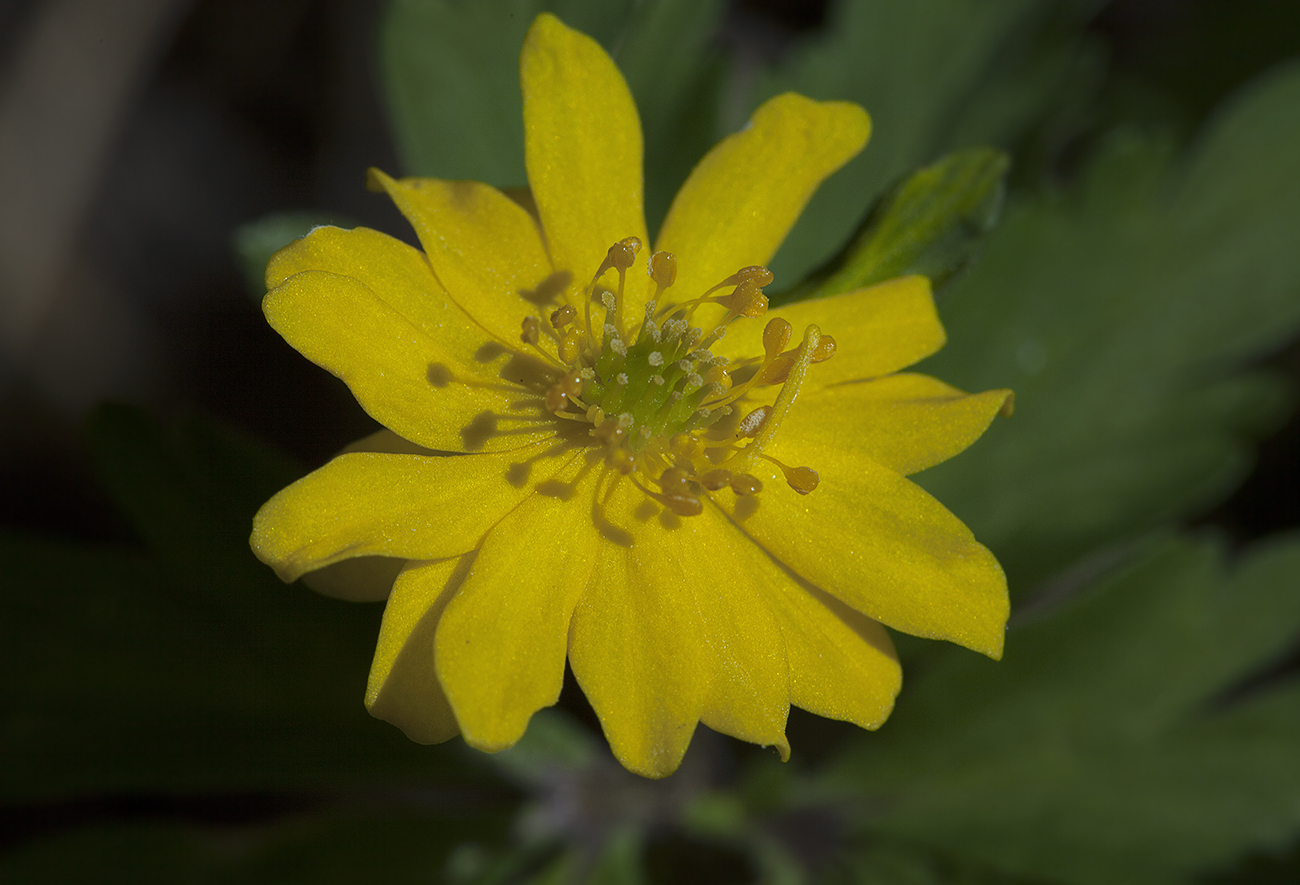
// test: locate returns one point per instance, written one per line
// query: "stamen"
(620, 256)
(752, 423)
(716, 479)
(569, 345)
(567, 389)
(563, 316)
(662, 268)
(802, 479)
(755, 273)
(686, 445)
(776, 335)
(744, 459)
(650, 395)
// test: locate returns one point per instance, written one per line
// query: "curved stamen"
(743, 460)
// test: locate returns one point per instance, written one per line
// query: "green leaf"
(451, 80)
(935, 76)
(190, 489)
(188, 666)
(1112, 744)
(256, 241)
(1122, 314)
(933, 223)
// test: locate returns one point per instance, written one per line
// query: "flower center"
(668, 412)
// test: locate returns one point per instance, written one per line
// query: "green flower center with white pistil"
(660, 403)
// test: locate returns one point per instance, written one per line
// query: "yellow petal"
(877, 330)
(407, 506)
(744, 196)
(639, 652)
(672, 632)
(904, 422)
(441, 385)
(396, 273)
(501, 643)
(879, 543)
(403, 687)
(842, 663)
(582, 148)
(484, 248)
(750, 695)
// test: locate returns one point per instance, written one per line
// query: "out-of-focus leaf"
(190, 488)
(553, 746)
(933, 223)
(450, 75)
(1109, 746)
(1122, 316)
(256, 241)
(187, 666)
(407, 841)
(933, 75)
(451, 78)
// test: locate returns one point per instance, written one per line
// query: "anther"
(567, 388)
(683, 505)
(685, 445)
(757, 274)
(673, 480)
(824, 350)
(622, 460)
(747, 301)
(776, 335)
(662, 268)
(719, 376)
(745, 485)
(610, 432)
(621, 255)
(752, 424)
(802, 479)
(778, 369)
(715, 479)
(563, 316)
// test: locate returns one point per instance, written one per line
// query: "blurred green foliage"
(1143, 725)
(1129, 314)
(1114, 743)
(933, 223)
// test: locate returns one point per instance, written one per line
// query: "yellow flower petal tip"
(610, 454)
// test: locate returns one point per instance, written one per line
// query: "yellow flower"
(619, 461)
